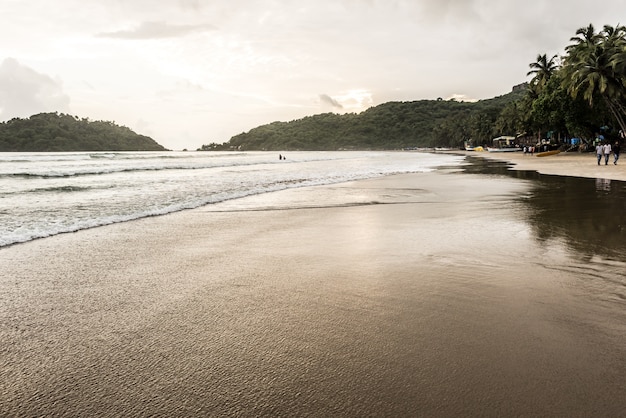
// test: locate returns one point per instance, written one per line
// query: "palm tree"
(595, 68)
(542, 69)
(585, 38)
(617, 42)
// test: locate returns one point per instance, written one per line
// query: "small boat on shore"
(473, 148)
(469, 146)
(547, 153)
(505, 149)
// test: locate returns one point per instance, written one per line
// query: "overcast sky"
(191, 72)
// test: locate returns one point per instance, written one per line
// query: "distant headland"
(50, 132)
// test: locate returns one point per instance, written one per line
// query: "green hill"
(390, 125)
(49, 132)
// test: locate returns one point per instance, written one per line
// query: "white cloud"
(157, 30)
(461, 98)
(24, 92)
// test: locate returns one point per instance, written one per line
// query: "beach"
(563, 164)
(431, 294)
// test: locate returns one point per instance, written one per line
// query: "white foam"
(70, 192)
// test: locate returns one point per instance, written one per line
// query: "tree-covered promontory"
(391, 125)
(50, 132)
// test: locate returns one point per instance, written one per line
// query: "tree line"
(49, 132)
(580, 94)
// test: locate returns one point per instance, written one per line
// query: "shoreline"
(571, 164)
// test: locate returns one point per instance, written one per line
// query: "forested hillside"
(390, 125)
(47, 132)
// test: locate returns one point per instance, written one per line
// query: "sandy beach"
(435, 294)
(563, 164)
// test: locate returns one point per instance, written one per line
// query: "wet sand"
(563, 164)
(434, 294)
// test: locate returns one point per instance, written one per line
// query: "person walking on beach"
(606, 150)
(616, 150)
(599, 152)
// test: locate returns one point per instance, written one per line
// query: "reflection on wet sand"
(603, 185)
(589, 214)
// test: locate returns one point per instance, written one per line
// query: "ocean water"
(44, 194)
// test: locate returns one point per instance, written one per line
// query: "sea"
(44, 194)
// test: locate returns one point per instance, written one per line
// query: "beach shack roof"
(508, 140)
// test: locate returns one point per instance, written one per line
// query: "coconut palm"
(617, 42)
(595, 68)
(542, 69)
(585, 38)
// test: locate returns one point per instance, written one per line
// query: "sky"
(193, 72)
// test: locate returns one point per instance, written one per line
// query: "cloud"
(442, 10)
(157, 30)
(25, 92)
(325, 98)
(461, 98)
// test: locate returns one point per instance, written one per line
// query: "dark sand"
(417, 295)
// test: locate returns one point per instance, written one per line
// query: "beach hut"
(504, 143)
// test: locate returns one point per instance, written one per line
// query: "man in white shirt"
(606, 150)
(599, 151)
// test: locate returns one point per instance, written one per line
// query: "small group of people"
(604, 149)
